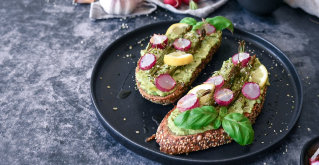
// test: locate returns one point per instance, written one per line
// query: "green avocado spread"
(182, 74)
(240, 105)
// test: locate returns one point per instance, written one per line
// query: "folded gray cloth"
(205, 7)
(309, 6)
(97, 11)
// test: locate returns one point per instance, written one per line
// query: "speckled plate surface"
(132, 119)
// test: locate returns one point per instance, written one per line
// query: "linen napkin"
(205, 7)
(97, 11)
(309, 6)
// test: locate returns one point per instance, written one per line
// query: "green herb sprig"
(236, 125)
(196, 118)
(219, 22)
(193, 5)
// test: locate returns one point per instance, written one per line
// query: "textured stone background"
(48, 49)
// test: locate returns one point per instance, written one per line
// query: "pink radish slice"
(147, 61)
(199, 31)
(251, 90)
(314, 162)
(223, 96)
(218, 81)
(182, 44)
(158, 41)
(209, 29)
(188, 102)
(241, 57)
(165, 82)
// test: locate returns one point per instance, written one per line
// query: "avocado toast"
(171, 62)
(218, 111)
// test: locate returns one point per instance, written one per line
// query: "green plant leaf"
(196, 118)
(193, 5)
(239, 128)
(189, 21)
(222, 112)
(198, 25)
(217, 123)
(221, 23)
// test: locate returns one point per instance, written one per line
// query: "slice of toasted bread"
(180, 89)
(174, 144)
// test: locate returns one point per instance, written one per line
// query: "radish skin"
(242, 58)
(159, 41)
(224, 96)
(218, 81)
(251, 90)
(210, 29)
(165, 82)
(147, 61)
(189, 101)
(182, 44)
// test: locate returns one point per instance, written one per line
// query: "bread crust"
(172, 144)
(180, 88)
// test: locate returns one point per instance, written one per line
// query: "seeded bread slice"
(173, 144)
(180, 89)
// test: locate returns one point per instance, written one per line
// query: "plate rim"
(133, 146)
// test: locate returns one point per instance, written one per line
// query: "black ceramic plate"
(132, 119)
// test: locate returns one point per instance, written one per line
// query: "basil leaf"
(217, 123)
(222, 112)
(198, 25)
(196, 118)
(239, 128)
(221, 23)
(189, 21)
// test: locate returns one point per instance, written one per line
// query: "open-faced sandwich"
(218, 111)
(171, 62)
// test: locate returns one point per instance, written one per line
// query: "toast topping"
(177, 29)
(202, 87)
(169, 59)
(159, 41)
(235, 78)
(165, 82)
(260, 76)
(189, 101)
(251, 90)
(147, 61)
(218, 81)
(182, 44)
(178, 59)
(224, 96)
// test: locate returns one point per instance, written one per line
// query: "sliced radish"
(199, 31)
(314, 162)
(165, 82)
(188, 102)
(223, 96)
(182, 44)
(210, 29)
(218, 81)
(241, 57)
(174, 3)
(251, 90)
(159, 41)
(147, 61)
(315, 157)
